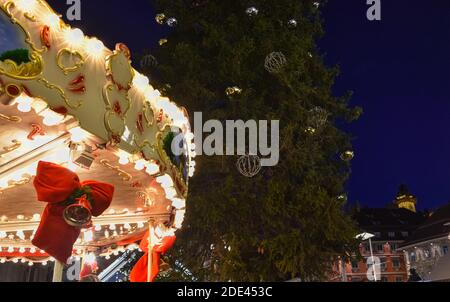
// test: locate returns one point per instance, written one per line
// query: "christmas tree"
(258, 60)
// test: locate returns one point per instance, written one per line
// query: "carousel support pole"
(58, 271)
(150, 249)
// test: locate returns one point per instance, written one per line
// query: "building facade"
(428, 247)
(391, 227)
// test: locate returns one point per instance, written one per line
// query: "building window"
(398, 279)
(383, 264)
(379, 248)
(445, 249)
(384, 279)
(413, 257)
(427, 253)
(394, 247)
(354, 265)
(396, 262)
(377, 234)
(391, 234)
(367, 248)
(405, 234)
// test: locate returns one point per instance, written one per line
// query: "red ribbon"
(54, 184)
(139, 272)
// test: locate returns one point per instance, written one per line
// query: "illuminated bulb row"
(22, 250)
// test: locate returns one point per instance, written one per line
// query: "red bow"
(55, 184)
(140, 270)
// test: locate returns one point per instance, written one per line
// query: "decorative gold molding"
(13, 118)
(78, 58)
(12, 184)
(7, 9)
(24, 71)
(61, 93)
(8, 149)
(125, 176)
(149, 114)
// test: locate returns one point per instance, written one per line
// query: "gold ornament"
(233, 90)
(347, 156)
(163, 41)
(160, 19)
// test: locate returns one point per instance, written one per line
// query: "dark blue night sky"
(398, 69)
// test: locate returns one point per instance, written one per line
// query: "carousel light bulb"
(10, 249)
(26, 5)
(141, 82)
(90, 259)
(51, 118)
(3, 235)
(178, 203)
(30, 263)
(33, 250)
(42, 251)
(107, 257)
(127, 226)
(88, 236)
(170, 192)
(3, 183)
(124, 158)
(98, 228)
(15, 260)
(165, 181)
(20, 235)
(140, 165)
(22, 250)
(152, 169)
(3, 260)
(51, 20)
(74, 37)
(20, 217)
(140, 225)
(24, 103)
(95, 48)
(23, 260)
(36, 217)
(44, 263)
(112, 227)
(78, 134)
(116, 253)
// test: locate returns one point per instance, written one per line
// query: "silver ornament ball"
(172, 22)
(252, 11)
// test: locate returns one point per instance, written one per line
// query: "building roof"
(388, 220)
(436, 226)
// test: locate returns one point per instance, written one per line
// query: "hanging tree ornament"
(347, 155)
(249, 165)
(163, 41)
(274, 62)
(292, 23)
(230, 91)
(252, 11)
(172, 22)
(317, 118)
(160, 18)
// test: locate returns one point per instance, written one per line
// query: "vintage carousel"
(93, 160)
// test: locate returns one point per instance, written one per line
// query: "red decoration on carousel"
(140, 123)
(45, 36)
(139, 273)
(77, 85)
(68, 199)
(36, 130)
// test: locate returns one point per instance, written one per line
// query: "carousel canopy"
(67, 99)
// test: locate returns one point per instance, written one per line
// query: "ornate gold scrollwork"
(25, 71)
(8, 149)
(13, 118)
(7, 9)
(149, 114)
(125, 176)
(73, 54)
(62, 94)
